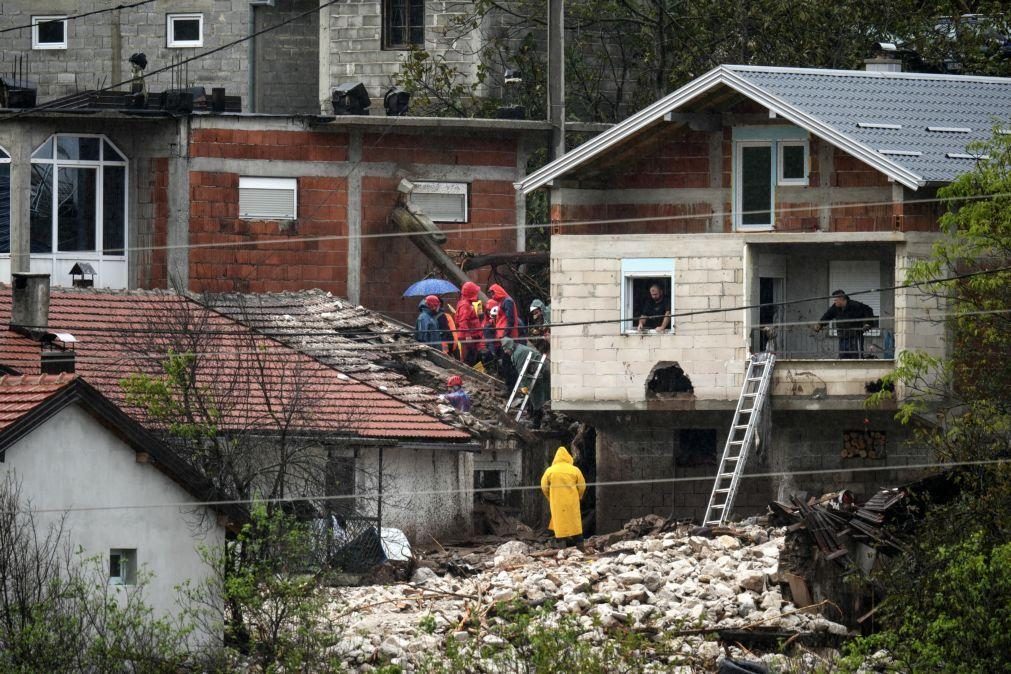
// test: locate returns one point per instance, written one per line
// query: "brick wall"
(152, 197)
(269, 144)
(234, 264)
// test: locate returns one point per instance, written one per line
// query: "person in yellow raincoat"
(563, 485)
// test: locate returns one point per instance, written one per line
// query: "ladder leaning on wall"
(754, 394)
(531, 359)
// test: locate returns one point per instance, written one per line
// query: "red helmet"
(432, 302)
(455, 380)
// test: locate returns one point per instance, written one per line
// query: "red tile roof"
(19, 395)
(255, 382)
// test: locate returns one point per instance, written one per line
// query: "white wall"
(73, 462)
(410, 476)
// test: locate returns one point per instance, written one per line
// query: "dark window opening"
(339, 480)
(641, 300)
(489, 485)
(5, 208)
(41, 227)
(76, 209)
(696, 447)
(51, 32)
(793, 162)
(756, 185)
(403, 23)
(186, 30)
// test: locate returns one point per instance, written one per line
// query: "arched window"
(79, 197)
(5, 202)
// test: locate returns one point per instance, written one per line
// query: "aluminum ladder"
(541, 360)
(741, 439)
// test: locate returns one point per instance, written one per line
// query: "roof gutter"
(472, 447)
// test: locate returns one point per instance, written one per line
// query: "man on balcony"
(852, 320)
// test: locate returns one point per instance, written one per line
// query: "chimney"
(886, 60)
(30, 304)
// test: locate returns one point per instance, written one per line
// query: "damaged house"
(748, 196)
(260, 419)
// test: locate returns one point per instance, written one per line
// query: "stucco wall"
(426, 492)
(73, 462)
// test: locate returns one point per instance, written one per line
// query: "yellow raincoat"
(563, 485)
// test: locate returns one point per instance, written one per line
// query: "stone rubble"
(659, 584)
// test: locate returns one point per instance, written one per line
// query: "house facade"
(749, 196)
(123, 494)
(228, 202)
(301, 51)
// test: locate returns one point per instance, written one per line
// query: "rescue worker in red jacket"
(469, 316)
(508, 323)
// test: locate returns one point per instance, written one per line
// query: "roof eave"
(721, 75)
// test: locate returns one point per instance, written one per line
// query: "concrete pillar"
(522, 155)
(21, 192)
(825, 171)
(354, 217)
(324, 62)
(716, 180)
(556, 76)
(178, 237)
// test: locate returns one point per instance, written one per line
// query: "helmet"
(432, 302)
(455, 380)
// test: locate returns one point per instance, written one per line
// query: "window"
(268, 198)
(122, 566)
(403, 23)
(78, 196)
(792, 162)
(49, 32)
(185, 30)
(638, 276)
(442, 202)
(766, 158)
(5, 202)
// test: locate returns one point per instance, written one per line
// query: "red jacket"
(468, 321)
(508, 317)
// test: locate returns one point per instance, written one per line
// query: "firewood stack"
(863, 445)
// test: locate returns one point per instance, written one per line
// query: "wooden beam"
(410, 223)
(493, 259)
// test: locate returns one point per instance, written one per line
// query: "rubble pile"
(691, 592)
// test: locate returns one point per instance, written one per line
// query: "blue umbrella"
(430, 286)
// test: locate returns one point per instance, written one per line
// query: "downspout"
(251, 59)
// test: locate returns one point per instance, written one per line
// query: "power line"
(82, 15)
(160, 314)
(478, 490)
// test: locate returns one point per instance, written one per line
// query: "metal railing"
(347, 543)
(800, 342)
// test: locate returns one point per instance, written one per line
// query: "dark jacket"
(426, 329)
(849, 317)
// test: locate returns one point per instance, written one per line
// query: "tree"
(947, 604)
(624, 54)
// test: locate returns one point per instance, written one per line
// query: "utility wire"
(478, 490)
(163, 312)
(81, 16)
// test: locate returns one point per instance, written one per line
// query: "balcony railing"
(801, 342)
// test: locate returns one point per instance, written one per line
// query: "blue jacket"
(426, 329)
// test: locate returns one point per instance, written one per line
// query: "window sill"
(754, 228)
(647, 333)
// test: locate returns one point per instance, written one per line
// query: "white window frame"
(453, 188)
(36, 20)
(98, 165)
(127, 566)
(254, 183)
(5, 160)
(173, 43)
(739, 178)
(633, 269)
(782, 180)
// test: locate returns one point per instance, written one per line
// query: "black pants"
(569, 541)
(851, 344)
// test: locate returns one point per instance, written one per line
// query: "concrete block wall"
(643, 447)
(351, 37)
(596, 362)
(287, 58)
(98, 46)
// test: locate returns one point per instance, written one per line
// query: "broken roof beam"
(495, 259)
(408, 220)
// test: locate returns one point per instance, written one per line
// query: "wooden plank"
(799, 590)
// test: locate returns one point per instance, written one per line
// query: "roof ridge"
(31, 380)
(841, 72)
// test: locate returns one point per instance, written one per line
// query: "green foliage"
(960, 619)
(277, 615)
(171, 399)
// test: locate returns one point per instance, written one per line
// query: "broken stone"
(423, 574)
